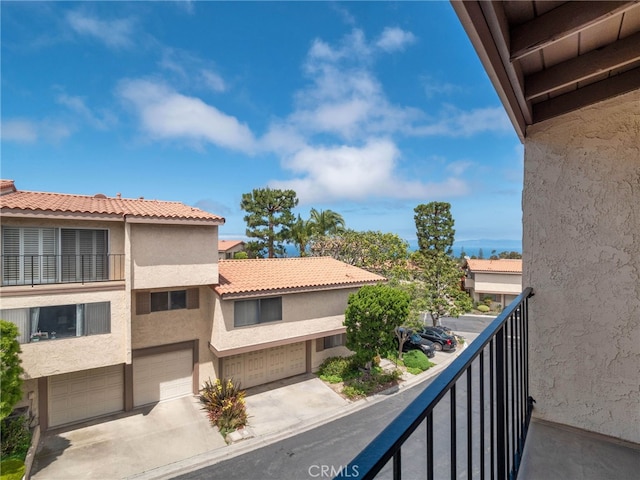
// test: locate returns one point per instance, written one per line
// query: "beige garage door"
(78, 396)
(268, 365)
(162, 377)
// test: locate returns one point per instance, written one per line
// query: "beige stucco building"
(281, 317)
(501, 280)
(122, 303)
(107, 299)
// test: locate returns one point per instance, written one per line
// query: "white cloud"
(29, 131)
(459, 167)
(167, 114)
(113, 33)
(192, 70)
(78, 105)
(213, 81)
(393, 39)
(20, 131)
(454, 122)
(356, 173)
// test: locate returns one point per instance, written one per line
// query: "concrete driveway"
(128, 443)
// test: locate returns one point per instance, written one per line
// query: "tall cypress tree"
(434, 228)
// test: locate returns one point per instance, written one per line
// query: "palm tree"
(325, 222)
(301, 234)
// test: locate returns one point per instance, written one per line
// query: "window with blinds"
(60, 321)
(251, 312)
(33, 255)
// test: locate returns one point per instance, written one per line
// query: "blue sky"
(368, 109)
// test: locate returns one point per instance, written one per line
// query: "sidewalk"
(295, 407)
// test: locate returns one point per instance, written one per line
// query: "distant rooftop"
(502, 265)
(283, 275)
(224, 245)
(20, 202)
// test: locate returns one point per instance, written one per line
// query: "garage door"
(268, 365)
(162, 377)
(78, 396)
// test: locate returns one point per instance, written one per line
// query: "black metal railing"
(471, 427)
(51, 269)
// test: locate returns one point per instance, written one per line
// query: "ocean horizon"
(470, 247)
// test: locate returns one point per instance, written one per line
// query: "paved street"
(319, 452)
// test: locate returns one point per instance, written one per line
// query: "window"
(251, 312)
(147, 302)
(60, 321)
(173, 300)
(32, 255)
(335, 340)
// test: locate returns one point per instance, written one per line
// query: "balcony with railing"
(31, 270)
(473, 420)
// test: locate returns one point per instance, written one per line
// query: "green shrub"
(12, 469)
(224, 403)
(338, 369)
(487, 301)
(240, 256)
(483, 308)
(15, 437)
(414, 370)
(416, 359)
(366, 385)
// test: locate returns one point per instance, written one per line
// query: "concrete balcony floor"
(554, 451)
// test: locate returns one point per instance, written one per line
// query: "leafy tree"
(381, 253)
(373, 313)
(240, 256)
(10, 369)
(301, 235)
(434, 225)
(269, 219)
(509, 255)
(438, 287)
(325, 222)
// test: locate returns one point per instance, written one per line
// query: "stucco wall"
(303, 314)
(65, 355)
(581, 255)
(168, 255)
(498, 283)
(173, 326)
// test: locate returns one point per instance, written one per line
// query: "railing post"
(501, 433)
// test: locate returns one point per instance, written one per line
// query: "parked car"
(441, 340)
(416, 342)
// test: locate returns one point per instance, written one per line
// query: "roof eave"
(290, 290)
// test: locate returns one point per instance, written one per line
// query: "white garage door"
(162, 377)
(269, 365)
(82, 395)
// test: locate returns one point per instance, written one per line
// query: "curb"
(224, 453)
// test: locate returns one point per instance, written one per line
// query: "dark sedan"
(441, 340)
(416, 342)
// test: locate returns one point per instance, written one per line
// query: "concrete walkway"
(297, 405)
(168, 438)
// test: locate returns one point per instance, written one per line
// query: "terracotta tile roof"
(22, 200)
(224, 245)
(499, 266)
(286, 274)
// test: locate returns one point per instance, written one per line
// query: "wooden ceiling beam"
(616, 55)
(559, 23)
(589, 95)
